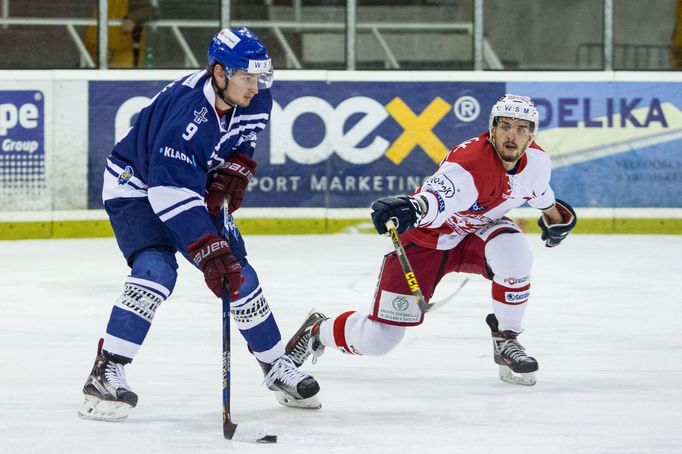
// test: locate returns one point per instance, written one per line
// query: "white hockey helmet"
(513, 106)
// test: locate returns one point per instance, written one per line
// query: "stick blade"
(250, 432)
(228, 429)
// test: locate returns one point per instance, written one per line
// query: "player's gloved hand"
(405, 211)
(230, 181)
(553, 234)
(214, 258)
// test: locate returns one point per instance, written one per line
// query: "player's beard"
(510, 157)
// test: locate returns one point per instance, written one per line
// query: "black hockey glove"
(553, 234)
(404, 210)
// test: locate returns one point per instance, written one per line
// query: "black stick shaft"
(228, 426)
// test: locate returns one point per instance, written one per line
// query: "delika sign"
(615, 112)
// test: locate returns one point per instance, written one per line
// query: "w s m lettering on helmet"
(519, 107)
(239, 49)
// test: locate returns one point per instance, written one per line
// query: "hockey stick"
(229, 428)
(253, 432)
(407, 268)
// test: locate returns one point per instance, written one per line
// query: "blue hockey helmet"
(239, 49)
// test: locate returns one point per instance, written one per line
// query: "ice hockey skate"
(292, 387)
(515, 366)
(108, 396)
(306, 341)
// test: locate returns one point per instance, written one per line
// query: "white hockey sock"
(354, 333)
(509, 304)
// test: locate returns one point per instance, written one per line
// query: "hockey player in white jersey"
(188, 150)
(456, 223)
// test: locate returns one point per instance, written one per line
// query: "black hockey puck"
(268, 439)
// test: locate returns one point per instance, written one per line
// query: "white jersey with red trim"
(471, 189)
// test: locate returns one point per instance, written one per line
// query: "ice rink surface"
(604, 321)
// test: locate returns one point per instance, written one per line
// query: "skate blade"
(104, 410)
(508, 376)
(311, 403)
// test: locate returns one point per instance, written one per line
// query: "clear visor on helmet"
(245, 79)
(520, 126)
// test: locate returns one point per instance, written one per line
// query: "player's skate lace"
(512, 349)
(305, 341)
(286, 372)
(305, 347)
(115, 375)
(508, 351)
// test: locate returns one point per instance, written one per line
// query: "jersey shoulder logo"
(200, 117)
(125, 177)
(193, 126)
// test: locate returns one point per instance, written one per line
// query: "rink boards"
(338, 140)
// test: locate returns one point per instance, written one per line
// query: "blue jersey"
(175, 143)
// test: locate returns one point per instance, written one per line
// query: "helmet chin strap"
(221, 93)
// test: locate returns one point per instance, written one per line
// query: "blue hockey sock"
(151, 282)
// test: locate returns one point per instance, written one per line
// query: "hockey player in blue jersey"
(188, 150)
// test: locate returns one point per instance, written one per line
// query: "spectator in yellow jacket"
(676, 62)
(126, 43)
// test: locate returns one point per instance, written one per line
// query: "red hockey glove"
(214, 258)
(230, 182)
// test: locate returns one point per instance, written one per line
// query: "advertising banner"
(112, 108)
(611, 144)
(22, 147)
(342, 144)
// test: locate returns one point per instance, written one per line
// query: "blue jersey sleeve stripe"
(116, 175)
(176, 205)
(131, 179)
(165, 197)
(257, 127)
(112, 189)
(167, 202)
(242, 118)
(181, 209)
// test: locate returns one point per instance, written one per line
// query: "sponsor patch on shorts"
(399, 308)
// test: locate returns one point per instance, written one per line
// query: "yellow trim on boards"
(304, 226)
